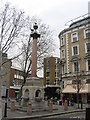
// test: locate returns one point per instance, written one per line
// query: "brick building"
(51, 76)
(51, 71)
(12, 78)
(16, 80)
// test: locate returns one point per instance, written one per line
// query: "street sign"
(3, 91)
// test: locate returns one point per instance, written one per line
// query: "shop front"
(69, 93)
(15, 90)
(52, 91)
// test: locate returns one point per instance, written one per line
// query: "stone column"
(35, 35)
(19, 101)
(34, 58)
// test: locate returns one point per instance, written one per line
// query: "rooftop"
(77, 22)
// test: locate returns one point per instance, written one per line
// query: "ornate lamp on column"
(35, 35)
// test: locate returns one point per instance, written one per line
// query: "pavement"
(20, 113)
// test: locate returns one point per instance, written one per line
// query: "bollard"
(5, 110)
(23, 102)
(65, 105)
(12, 105)
(50, 106)
(29, 109)
(19, 101)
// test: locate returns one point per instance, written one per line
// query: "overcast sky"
(54, 13)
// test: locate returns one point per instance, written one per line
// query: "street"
(75, 116)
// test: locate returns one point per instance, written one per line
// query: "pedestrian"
(72, 102)
(68, 101)
(81, 105)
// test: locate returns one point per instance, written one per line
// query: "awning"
(69, 89)
(53, 85)
(15, 87)
(85, 89)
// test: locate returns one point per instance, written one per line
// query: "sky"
(55, 13)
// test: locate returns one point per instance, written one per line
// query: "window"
(63, 69)
(63, 54)
(47, 74)
(56, 74)
(87, 47)
(56, 63)
(76, 67)
(56, 60)
(47, 81)
(74, 37)
(88, 65)
(62, 41)
(56, 81)
(57, 67)
(15, 76)
(87, 33)
(75, 50)
(47, 67)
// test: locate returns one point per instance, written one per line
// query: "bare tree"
(12, 27)
(11, 23)
(45, 47)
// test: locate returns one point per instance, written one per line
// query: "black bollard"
(87, 113)
(5, 110)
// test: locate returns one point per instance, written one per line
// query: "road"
(77, 115)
